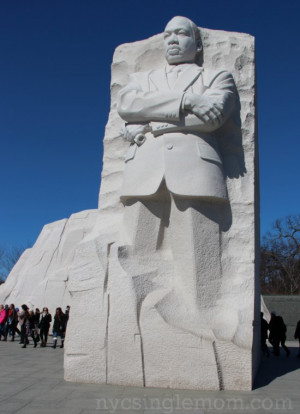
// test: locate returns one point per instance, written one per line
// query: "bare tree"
(280, 257)
(8, 258)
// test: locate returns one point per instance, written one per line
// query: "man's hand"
(130, 131)
(203, 108)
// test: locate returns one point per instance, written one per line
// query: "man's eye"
(166, 35)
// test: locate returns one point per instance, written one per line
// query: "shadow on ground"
(274, 367)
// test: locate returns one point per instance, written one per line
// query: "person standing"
(44, 326)
(297, 335)
(3, 316)
(31, 331)
(67, 315)
(274, 333)
(24, 323)
(12, 321)
(282, 334)
(264, 335)
(59, 327)
(37, 316)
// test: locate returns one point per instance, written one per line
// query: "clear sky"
(55, 98)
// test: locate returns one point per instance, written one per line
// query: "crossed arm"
(181, 111)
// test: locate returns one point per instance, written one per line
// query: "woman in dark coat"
(44, 326)
(31, 329)
(59, 327)
(12, 321)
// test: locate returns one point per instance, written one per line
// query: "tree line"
(8, 258)
(280, 258)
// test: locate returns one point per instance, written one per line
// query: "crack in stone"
(106, 339)
(105, 284)
(219, 368)
(57, 247)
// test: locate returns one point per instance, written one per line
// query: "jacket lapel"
(158, 80)
(188, 77)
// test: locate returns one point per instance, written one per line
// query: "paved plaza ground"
(31, 382)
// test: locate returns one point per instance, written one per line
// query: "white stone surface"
(129, 322)
(152, 336)
(40, 277)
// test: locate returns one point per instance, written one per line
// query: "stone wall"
(286, 306)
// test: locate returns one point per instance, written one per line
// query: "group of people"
(275, 332)
(32, 324)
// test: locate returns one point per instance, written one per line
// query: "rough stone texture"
(144, 342)
(40, 277)
(120, 330)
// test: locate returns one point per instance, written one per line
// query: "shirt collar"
(179, 68)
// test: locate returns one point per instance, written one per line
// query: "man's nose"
(173, 38)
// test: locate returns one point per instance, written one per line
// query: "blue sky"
(54, 99)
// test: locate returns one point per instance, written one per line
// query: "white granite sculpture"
(176, 301)
(163, 282)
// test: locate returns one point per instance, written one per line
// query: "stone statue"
(178, 108)
(166, 269)
(174, 189)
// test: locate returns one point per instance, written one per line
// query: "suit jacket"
(181, 148)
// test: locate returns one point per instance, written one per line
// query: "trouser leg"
(195, 239)
(13, 332)
(34, 339)
(22, 334)
(287, 351)
(141, 225)
(62, 339)
(42, 336)
(54, 340)
(46, 336)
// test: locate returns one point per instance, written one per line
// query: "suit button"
(169, 146)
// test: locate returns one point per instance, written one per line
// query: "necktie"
(173, 76)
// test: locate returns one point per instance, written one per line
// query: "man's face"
(179, 42)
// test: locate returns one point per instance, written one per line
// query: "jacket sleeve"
(219, 97)
(136, 105)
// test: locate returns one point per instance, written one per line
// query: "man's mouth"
(173, 50)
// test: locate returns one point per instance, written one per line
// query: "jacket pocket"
(131, 152)
(208, 153)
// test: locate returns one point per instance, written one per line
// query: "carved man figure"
(179, 106)
(173, 178)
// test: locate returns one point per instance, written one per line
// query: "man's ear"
(199, 46)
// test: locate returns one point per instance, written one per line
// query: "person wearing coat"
(3, 317)
(264, 327)
(44, 326)
(12, 321)
(59, 327)
(24, 324)
(297, 335)
(31, 327)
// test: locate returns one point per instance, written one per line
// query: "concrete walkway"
(31, 382)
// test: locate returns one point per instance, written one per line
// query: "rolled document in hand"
(139, 139)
